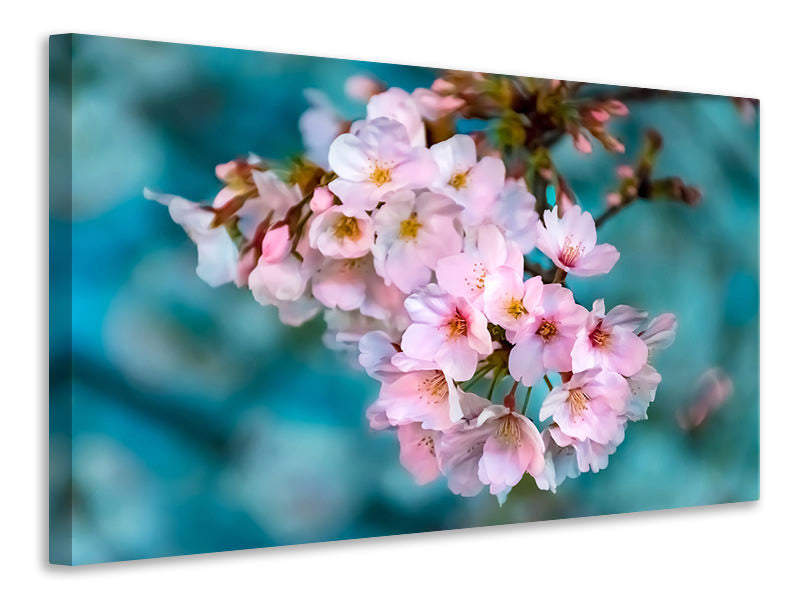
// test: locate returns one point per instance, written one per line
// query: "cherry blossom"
(510, 302)
(588, 405)
(513, 448)
(485, 250)
(377, 158)
(446, 330)
(339, 233)
(412, 234)
(421, 261)
(546, 337)
(608, 341)
(473, 184)
(571, 243)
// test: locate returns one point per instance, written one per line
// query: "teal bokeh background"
(199, 423)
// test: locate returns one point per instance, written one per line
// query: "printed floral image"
(520, 265)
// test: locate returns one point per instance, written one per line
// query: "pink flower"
(446, 330)
(420, 397)
(589, 405)
(608, 341)
(217, 254)
(510, 302)
(397, 104)
(570, 242)
(485, 250)
(412, 234)
(339, 233)
(418, 452)
(352, 284)
(473, 184)
(513, 447)
(495, 448)
(275, 282)
(544, 340)
(423, 395)
(515, 214)
(377, 159)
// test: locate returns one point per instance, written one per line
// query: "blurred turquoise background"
(199, 423)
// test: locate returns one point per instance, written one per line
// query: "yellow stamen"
(409, 227)
(458, 325)
(433, 389)
(346, 227)
(508, 431)
(547, 330)
(380, 176)
(578, 401)
(459, 180)
(516, 309)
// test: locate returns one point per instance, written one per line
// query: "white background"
(734, 48)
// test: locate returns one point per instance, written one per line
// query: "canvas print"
(299, 299)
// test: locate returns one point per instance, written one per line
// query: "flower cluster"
(415, 250)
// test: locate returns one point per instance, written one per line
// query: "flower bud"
(581, 143)
(321, 200)
(276, 244)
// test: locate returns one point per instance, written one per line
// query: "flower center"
(578, 401)
(547, 330)
(457, 325)
(409, 227)
(433, 389)
(346, 227)
(380, 176)
(508, 431)
(570, 252)
(516, 309)
(599, 338)
(459, 180)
